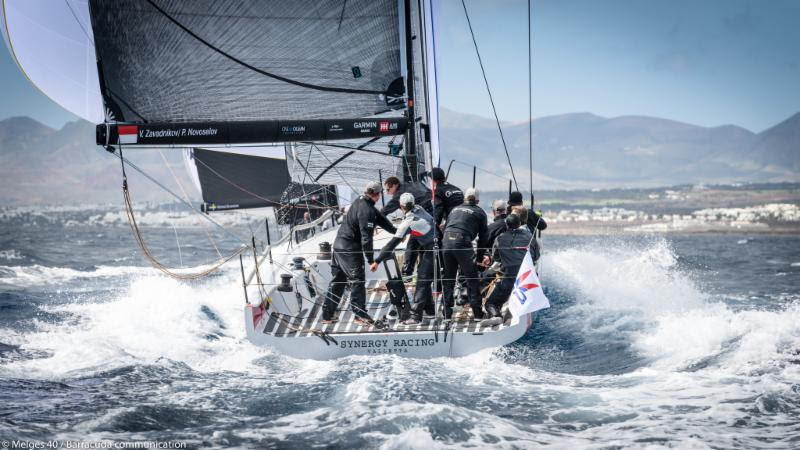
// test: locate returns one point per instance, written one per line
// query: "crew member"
(422, 197)
(353, 243)
(445, 196)
(509, 250)
(535, 222)
(464, 224)
(498, 226)
(302, 235)
(419, 225)
(393, 186)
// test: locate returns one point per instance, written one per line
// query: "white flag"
(527, 295)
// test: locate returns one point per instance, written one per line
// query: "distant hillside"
(581, 150)
(39, 165)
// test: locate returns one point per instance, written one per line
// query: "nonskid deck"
(306, 323)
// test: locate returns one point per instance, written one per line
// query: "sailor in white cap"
(417, 224)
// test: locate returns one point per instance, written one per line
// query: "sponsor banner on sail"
(527, 296)
(224, 133)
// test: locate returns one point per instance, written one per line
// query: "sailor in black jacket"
(465, 223)
(498, 226)
(535, 222)
(509, 250)
(445, 196)
(353, 243)
(395, 188)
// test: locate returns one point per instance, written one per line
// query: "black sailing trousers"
(423, 295)
(458, 254)
(347, 268)
(500, 294)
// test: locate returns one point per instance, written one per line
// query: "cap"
(499, 205)
(437, 174)
(472, 192)
(515, 198)
(372, 188)
(407, 199)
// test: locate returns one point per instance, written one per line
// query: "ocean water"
(652, 341)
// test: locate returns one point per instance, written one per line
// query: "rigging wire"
(182, 201)
(489, 91)
(186, 197)
(256, 69)
(530, 106)
(137, 235)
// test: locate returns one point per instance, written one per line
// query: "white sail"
(51, 42)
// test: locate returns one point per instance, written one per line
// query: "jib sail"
(238, 179)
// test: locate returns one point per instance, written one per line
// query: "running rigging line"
(489, 91)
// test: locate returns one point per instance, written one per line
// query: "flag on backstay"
(527, 295)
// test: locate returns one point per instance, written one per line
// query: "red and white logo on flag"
(527, 295)
(383, 127)
(128, 134)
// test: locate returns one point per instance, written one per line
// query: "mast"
(410, 169)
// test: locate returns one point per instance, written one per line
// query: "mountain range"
(41, 165)
(582, 150)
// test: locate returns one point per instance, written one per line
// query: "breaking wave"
(633, 349)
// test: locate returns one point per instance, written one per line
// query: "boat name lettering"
(367, 343)
(385, 343)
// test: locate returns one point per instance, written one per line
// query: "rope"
(174, 195)
(137, 235)
(489, 91)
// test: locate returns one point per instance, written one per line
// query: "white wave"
(155, 318)
(795, 264)
(43, 275)
(10, 255)
(641, 293)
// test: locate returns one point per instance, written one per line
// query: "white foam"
(43, 275)
(156, 317)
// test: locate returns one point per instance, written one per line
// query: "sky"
(705, 62)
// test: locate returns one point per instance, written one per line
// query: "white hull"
(289, 322)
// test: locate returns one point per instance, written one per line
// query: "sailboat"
(291, 105)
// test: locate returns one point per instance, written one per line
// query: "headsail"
(51, 43)
(239, 178)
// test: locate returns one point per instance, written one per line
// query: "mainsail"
(290, 69)
(326, 78)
